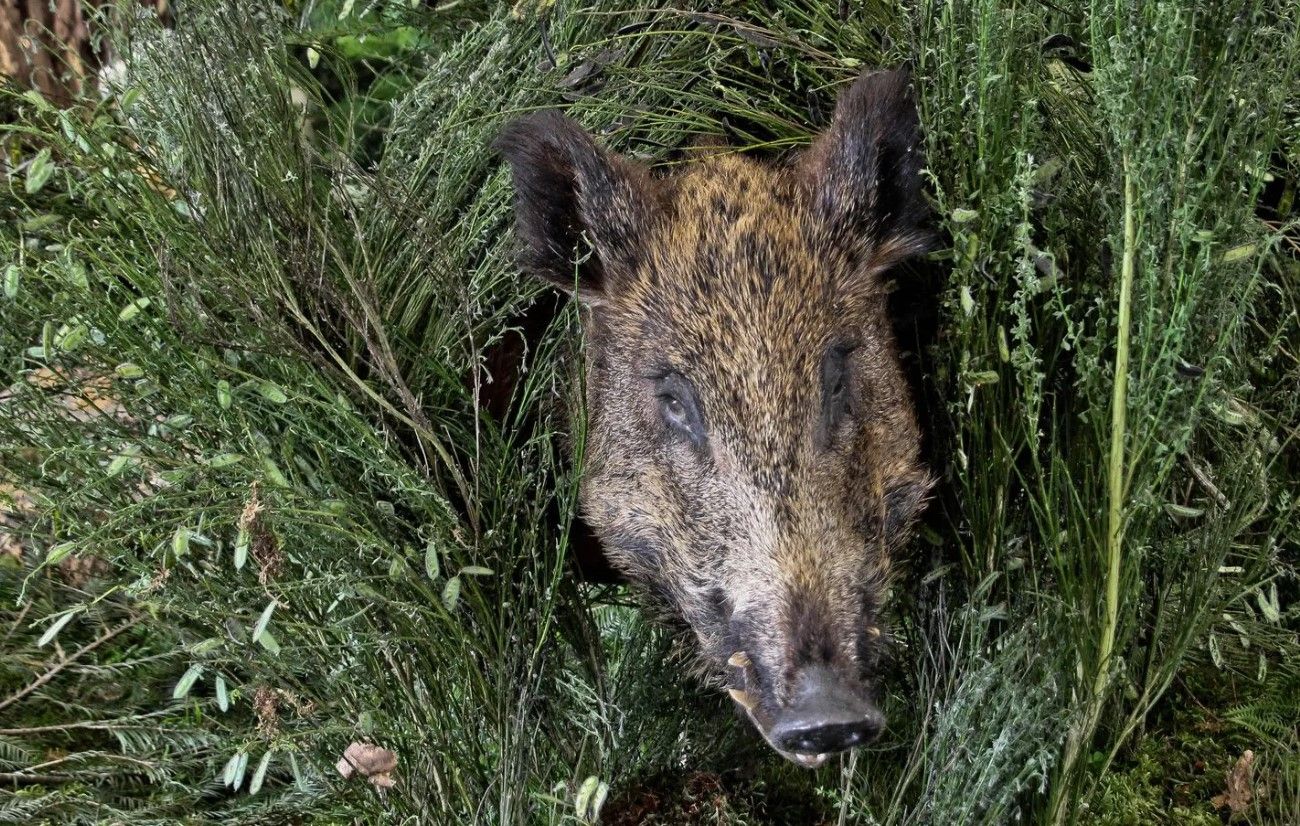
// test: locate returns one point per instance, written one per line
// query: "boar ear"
(865, 170)
(904, 500)
(565, 186)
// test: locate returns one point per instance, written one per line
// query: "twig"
(68, 660)
(107, 725)
(22, 612)
(18, 777)
(1207, 483)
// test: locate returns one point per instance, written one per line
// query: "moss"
(1180, 763)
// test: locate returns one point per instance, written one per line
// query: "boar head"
(752, 450)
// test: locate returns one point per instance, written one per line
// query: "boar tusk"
(810, 761)
(744, 698)
(873, 631)
(739, 660)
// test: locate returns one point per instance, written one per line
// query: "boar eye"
(674, 410)
(679, 406)
(835, 389)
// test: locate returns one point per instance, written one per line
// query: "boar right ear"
(567, 186)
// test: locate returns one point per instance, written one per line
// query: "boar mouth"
(742, 673)
(824, 718)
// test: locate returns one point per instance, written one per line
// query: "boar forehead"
(742, 290)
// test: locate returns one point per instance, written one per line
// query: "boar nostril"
(825, 715)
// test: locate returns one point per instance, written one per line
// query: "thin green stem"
(1081, 732)
(1115, 465)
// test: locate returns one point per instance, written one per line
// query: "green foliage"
(258, 512)
(1191, 744)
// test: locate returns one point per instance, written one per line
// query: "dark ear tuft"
(865, 170)
(566, 185)
(904, 500)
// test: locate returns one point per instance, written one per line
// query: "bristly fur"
(750, 295)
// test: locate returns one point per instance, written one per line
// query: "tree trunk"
(48, 45)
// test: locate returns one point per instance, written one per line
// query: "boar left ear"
(865, 170)
(567, 186)
(904, 500)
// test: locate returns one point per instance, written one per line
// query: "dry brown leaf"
(83, 393)
(9, 545)
(79, 570)
(370, 761)
(252, 508)
(44, 378)
(13, 500)
(13, 503)
(265, 547)
(1238, 792)
(266, 707)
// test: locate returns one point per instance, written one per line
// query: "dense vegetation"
(255, 512)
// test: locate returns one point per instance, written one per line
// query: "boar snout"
(826, 715)
(824, 711)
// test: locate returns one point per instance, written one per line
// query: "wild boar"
(752, 455)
